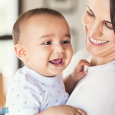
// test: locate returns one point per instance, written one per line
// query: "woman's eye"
(65, 42)
(109, 26)
(90, 14)
(47, 43)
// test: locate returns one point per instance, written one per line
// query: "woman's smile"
(97, 42)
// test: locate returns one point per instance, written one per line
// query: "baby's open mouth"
(57, 61)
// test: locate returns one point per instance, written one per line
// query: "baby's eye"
(47, 43)
(65, 42)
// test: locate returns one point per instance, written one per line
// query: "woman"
(95, 93)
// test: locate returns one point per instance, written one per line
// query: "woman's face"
(100, 37)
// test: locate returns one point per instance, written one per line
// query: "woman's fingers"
(81, 111)
(78, 114)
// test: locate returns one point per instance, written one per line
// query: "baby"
(42, 41)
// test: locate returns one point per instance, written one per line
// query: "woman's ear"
(20, 52)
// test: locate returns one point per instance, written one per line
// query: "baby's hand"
(79, 72)
(68, 110)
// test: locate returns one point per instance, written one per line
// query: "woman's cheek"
(86, 19)
(109, 34)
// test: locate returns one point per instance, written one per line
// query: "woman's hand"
(68, 110)
(62, 110)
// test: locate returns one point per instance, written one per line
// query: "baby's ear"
(20, 51)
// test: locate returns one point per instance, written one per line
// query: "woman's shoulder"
(108, 68)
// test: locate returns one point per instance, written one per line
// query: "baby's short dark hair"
(25, 16)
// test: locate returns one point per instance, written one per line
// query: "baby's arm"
(78, 73)
(62, 110)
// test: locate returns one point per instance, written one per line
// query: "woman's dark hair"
(112, 13)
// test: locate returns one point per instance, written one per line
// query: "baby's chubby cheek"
(69, 57)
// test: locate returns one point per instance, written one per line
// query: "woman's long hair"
(112, 13)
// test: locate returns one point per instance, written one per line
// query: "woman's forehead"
(100, 4)
(100, 8)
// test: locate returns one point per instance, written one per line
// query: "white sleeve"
(96, 97)
(24, 99)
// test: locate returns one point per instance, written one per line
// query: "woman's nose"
(59, 49)
(95, 29)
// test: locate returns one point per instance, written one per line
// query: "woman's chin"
(92, 51)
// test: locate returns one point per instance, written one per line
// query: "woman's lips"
(97, 42)
(57, 62)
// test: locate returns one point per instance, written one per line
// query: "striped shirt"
(95, 93)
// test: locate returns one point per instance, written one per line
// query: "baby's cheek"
(70, 54)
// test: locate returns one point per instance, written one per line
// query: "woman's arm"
(49, 111)
(62, 110)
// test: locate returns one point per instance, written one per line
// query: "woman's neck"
(95, 61)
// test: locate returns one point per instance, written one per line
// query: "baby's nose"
(59, 49)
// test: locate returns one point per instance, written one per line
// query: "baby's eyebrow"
(45, 36)
(68, 35)
(50, 35)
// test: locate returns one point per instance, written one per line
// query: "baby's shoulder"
(22, 83)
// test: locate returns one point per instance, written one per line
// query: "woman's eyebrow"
(93, 13)
(107, 21)
(90, 9)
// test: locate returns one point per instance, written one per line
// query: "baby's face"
(48, 44)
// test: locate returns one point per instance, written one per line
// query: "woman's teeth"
(98, 41)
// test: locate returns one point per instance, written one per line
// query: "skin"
(97, 24)
(78, 73)
(42, 42)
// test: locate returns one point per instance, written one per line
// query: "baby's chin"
(56, 72)
(57, 69)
